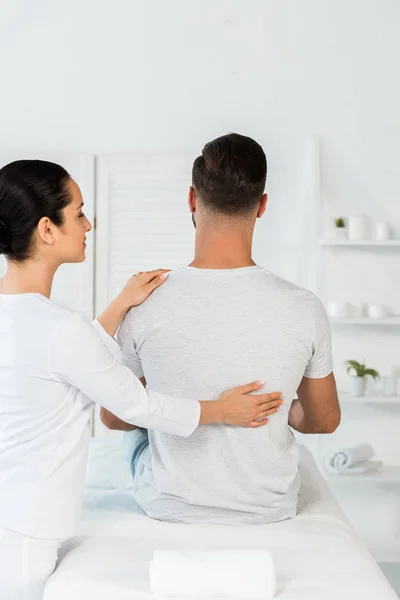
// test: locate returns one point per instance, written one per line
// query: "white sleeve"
(79, 357)
(122, 349)
(110, 343)
(321, 364)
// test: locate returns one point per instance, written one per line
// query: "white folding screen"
(73, 284)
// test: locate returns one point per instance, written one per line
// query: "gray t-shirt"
(200, 333)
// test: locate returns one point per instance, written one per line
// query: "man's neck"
(223, 249)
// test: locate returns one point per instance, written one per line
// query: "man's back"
(206, 330)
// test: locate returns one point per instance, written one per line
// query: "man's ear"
(192, 200)
(263, 205)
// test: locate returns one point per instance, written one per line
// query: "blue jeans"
(134, 444)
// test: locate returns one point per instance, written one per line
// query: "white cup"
(389, 385)
(376, 311)
(338, 310)
(382, 231)
(360, 309)
(359, 228)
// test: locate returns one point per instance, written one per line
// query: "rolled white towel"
(347, 460)
(363, 468)
(209, 574)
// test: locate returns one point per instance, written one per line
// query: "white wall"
(108, 76)
(123, 75)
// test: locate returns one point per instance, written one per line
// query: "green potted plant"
(340, 225)
(359, 373)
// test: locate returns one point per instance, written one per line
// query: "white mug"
(377, 312)
(389, 385)
(359, 228)
(360, 309)
(338, 310)
(382, 231)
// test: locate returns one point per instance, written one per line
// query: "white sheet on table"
(316, 555)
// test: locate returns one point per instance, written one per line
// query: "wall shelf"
(386, 554)
(348, 399)
(366, 321)
(362, 243)
(387, 474)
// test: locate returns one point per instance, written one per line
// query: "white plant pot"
(358, 385)
(341, 233)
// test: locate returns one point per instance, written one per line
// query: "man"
(214, 324)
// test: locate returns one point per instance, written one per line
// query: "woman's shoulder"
(31, 324)
(39, 313)
(43, 307)
(32, 305)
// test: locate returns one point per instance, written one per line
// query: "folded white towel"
(215, 573)
(352, 460)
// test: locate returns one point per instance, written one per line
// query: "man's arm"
(113, 422)
(317, 409)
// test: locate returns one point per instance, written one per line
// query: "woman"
(54, 364)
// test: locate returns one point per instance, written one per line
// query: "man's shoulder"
(167, 293)
(286, 287)
(182, 286)
(150, 309)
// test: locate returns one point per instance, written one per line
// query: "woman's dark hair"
(229, 176)
(29, 191)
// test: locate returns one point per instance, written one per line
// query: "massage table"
(317, 555)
